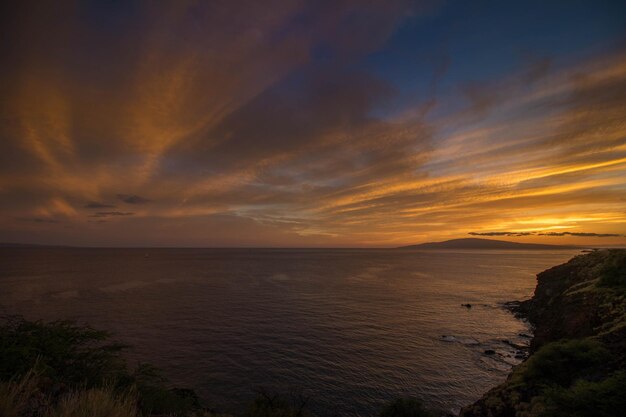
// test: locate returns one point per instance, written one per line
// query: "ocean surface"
(351, 329)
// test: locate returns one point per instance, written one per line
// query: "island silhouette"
(476, 243)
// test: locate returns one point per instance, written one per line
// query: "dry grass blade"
(97, 402)
(17, 396)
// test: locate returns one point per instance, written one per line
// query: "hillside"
(476, 243)
(577, 365)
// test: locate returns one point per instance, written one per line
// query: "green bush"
(156, 399)
(605, 398)
(564, 361)
(70, 358)
(69, 354)
(274, 405)
(405, 407)
(613, 274)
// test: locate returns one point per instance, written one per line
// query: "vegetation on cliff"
(577, 365)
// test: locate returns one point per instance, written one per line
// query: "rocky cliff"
(578, 353)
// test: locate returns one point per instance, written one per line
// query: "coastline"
(577, 354)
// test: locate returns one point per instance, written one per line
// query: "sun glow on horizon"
(274, 130)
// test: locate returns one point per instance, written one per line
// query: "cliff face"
(572, 302)
(578, 313)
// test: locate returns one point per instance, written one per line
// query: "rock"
(514, 345)
(570, 304)
(468, 305)
(490, 352)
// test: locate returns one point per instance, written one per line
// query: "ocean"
(349, 329)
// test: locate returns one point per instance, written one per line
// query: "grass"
(70, 365)
(27, 397)
(61, 369)
(17, 396)
(96, 402)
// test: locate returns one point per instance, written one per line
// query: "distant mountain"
(475, 243)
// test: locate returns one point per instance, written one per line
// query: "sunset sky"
(286, 123)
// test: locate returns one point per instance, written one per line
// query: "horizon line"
(68, 246)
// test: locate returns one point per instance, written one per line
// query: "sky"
(289, 123)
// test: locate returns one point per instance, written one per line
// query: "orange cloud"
(236, 138)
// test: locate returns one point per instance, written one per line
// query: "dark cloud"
(298, 115)
(97, 205)
(536, 68)
(481, 97)
(501, 233)
(269, 114)
(132, 199)
(38, 220)
(579, 234)
(111, 214)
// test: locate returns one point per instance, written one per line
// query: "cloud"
(501, 233)
(97, 205)
(581, 234)
(578, 234)
(536, 67)
(38, 220)
(132, 199)
(111, 214)
(263, 117)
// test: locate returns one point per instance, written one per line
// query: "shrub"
(605, 398)
(613, 274)
(67, 353)
(274, 405)
(155, 399)
(72, 357)
(405, 407)
(564, 361)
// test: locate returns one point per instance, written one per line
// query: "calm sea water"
(352, 329)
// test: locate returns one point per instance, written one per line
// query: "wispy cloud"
(111, 214)
(502, 233)
(241, 129)
(97, 205)
(578, 234)
(582, 234)
(38, 220)
(132, 199)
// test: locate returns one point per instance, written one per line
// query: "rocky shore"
(577, 362)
